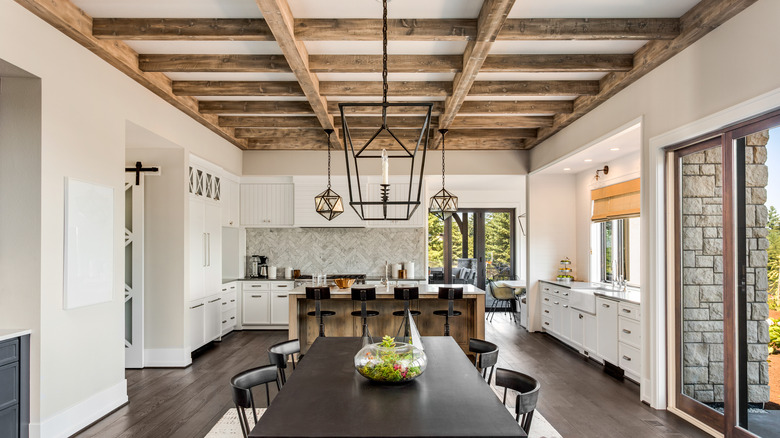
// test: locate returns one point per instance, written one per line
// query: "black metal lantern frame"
(328, 203)
(359, 198)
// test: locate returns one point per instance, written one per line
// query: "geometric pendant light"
(328, 203)
(443, 203)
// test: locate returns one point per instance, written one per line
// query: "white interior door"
(134, 272)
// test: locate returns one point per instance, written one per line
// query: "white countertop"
(425, 289)
(12, 333)
(605, 290)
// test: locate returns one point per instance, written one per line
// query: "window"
(616, 250)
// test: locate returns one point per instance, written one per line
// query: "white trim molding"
(81, 415)
(167, 358)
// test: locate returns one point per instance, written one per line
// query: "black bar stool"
(450, 294)
(363, 294)
(318, 294)
(406, 294)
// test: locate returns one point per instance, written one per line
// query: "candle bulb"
(385, 168)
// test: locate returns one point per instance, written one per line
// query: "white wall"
(85, 106)
(732, 69)
(551, 234)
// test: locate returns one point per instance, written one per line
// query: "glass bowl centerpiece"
(390, 362)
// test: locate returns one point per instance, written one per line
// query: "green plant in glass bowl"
(390, 362)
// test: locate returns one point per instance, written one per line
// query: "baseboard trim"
(81, 415)
(167, 358)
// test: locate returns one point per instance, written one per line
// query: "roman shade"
(617, 201)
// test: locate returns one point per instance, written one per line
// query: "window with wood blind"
(617, 201)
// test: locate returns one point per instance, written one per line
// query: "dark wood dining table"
(325, 397)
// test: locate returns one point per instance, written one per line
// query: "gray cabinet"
(15, 387)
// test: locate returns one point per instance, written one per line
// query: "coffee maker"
(262, 267)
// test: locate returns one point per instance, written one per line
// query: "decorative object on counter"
(288, 273)
(344, 283)
(564, 272)
(272, 272)
(390, 362)
(365, 152)
(396, 267)
(328, 203)
(443, 203)
(402, 274)
(296, 273)
(409, 266)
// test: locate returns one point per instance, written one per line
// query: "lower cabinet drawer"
(9, 385)
(9, 421)
(547, 324)
(228, 319)
(546, 310)
(630, 359)
(629, 332)
(228, 301)
(9, 351)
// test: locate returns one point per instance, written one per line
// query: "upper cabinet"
(307, 187)
(204, 183)
(230, 203)
(266, 204)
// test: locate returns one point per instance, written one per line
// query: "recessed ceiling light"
(588, 160)
(615, 149)
(566, 169)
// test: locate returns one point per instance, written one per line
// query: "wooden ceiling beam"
(491, 19)
(395, 63)
(237, 88)
(557, 63)
(477, 122)
(333, 107)
(213, 63)
(174, 29)
(255, 107)
(516, 107)
(295, 142)
(535, 29)
(411, 29)
(280, 20)
(270, 122)
(395, 88)
(694, 24)
(77, 25)
(534, 88)
(372, 123)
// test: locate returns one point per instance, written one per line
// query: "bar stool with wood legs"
(406, 294)
(450, 294)
(318, 294)
(364, 294)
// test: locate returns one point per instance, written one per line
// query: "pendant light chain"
(329, 131)
(443, 131)
(384, 51)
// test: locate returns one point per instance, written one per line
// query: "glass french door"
(727, 263)
(472, 247)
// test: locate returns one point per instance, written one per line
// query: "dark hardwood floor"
(577, 398)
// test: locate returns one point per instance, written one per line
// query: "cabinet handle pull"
(257, 296)
(566, 294)
(224, 289)
(215, 300)
(628, 332)
(546, 311)
(581, 316)
(546, 323)
(547, 299)
(232, 301)
(565, 306)
(605, 305)
(224, 322)
(281, 285)
(556, 303)
(224, 304)
(626, 311)
(281, 296)
(257, 285)
(195, 307)
(627, 358)
(547, 288)
(232, 317)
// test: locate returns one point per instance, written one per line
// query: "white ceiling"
(626, 142)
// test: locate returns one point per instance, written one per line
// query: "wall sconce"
(605, 170)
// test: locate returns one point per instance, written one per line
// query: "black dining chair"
(486, 356)
(364, 294)
(279, 353)
(527, 389)
(242, 384)
(317, 294)
(406, 294)
(450, 294)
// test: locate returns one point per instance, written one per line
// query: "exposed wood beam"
(237, 88)
(214, 63)
(534, 88)
(404, 29)
(694, 24)
(271, 122)
(166, 29)
(76, 24)
(501, 122)
(333, 107)
(557, 63)
(395, 63)
(280, 20)
(396, 88)
(491, 19)
(351, 29)
(255, 107)
(590, 29)
(517, 107)
(294, 142)
(361, 122)
(458, 133)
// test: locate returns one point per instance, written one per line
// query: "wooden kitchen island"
(469, 325)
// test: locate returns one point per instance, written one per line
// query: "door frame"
(134, 349)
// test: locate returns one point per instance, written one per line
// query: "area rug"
(229, 427)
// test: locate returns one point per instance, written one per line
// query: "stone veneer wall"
(340, 250)
(702, 228)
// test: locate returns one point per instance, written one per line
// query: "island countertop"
(425, 289)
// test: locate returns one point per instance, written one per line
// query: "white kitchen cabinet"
(257, 307)
(306, 188)
(212, 319)
(266, 204)
(607, 329)
(280, 310)
(230, 203)
(205, 248)
(197, 316)
(562, 318)
(229, 307)
(629, 339)
(577, 329)
(590, 336)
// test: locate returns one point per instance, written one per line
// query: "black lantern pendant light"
(377, 201)
(443, 203)
(328, 203)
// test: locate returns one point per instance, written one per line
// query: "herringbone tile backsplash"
(339, 250)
